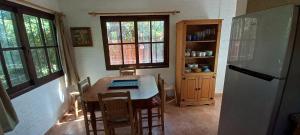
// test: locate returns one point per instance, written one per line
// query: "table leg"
(93, 119)
(150, 120)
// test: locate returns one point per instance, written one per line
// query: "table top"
(147, 88)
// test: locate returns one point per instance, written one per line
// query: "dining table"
(140, 96)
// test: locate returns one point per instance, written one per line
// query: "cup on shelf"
(209, 53)
(190, 66)
(189, 37)
(206, 69)
(198, 53)
(194, 54)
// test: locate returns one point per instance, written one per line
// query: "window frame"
(33, 82)
(135, 19)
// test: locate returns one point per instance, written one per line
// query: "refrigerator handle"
(252, 73)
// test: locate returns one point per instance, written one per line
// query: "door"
(189, 89)
(206, 88)
(261, 41)
(249, 103)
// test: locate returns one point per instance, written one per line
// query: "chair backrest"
(161, 85)
(115, 107)
(127, 71)
(158, 78)
(84, 85)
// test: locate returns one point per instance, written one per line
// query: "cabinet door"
(189, 89)
(206, 85)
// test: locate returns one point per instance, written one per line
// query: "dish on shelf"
(196, 70)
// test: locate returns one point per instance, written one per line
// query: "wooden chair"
(127, 71)
(158, 104)
(167, 88)
(116, 111)
(83, 86)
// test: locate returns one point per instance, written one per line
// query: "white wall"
(39, 109)
(90, 60)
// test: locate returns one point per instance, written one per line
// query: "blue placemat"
(124, 84)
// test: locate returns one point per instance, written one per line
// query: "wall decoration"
(81, 36)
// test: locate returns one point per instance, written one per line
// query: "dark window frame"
(34, 81)
(135, 19)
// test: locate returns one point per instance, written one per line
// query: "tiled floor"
(193, 120)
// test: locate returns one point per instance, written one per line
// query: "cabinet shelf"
(202, 41)
(206, 57)
(200, 73)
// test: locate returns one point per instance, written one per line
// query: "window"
(28, 48)
(142, 41)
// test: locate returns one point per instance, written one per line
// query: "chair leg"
(162, 120)
(140, 123)
(86, 123)
(76, 109)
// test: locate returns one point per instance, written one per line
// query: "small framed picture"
(81, 36)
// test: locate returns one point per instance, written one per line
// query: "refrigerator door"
(260, 41)
(248, 103)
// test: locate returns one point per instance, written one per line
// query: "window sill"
(144, 66)
(34, 86)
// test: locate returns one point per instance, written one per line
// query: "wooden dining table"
(141, 96)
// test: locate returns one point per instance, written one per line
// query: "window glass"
(33, 30)
(14, 63)
(129, 54)
(40, 62)
(115, 54)
(8, 29)
(49, 33)
(127, 32)
(54, 61)
(144, 31)
(157, 31)
(113, 32)
(157, 52)
(144, 53)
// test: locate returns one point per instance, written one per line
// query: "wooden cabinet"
(196, 85)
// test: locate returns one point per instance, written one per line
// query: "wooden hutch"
(197, 51)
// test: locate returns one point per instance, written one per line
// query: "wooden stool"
(170, 88)
(74, 103)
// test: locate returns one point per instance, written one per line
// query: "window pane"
(157, 31)
(144, 31)
(33, 30)
(14, 64)
(40, 62)
(157, 52)
(48, 30)
(144, 53)
(113, 32)
(8, 37)
(129, 54)
(2, 78)
(54, 63)
(115, 55)
(127, 32)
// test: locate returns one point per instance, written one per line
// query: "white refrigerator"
(262, 83)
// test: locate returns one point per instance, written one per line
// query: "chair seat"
(156, 101)
(168, 87)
